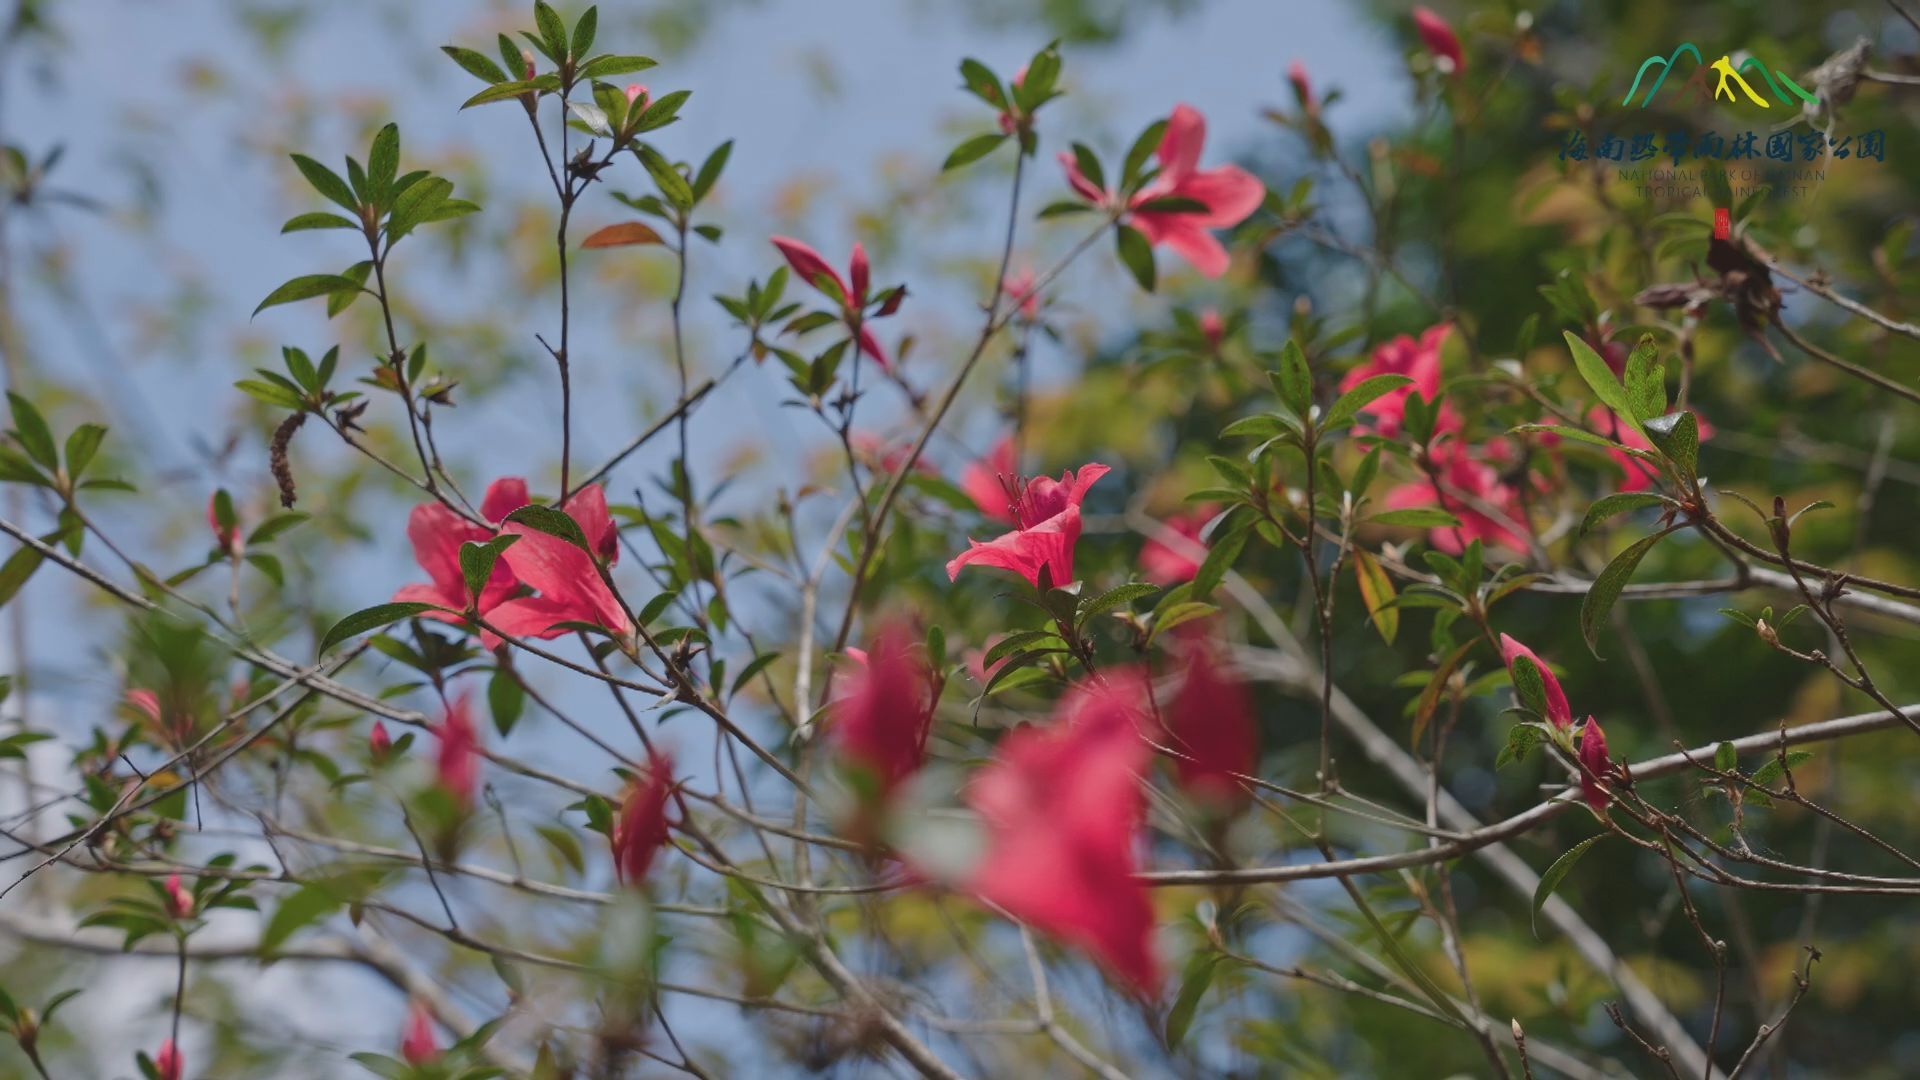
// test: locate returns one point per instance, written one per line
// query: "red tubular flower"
(1167, 564)
(1639, 473)
(418, 1043)
(1211, 723)
(1594, 765)
(817, 272)
(379, 742)
(1558, 712)
(179, 898)
(1463, 478)
(881, 723)
(437, 534)
(1062, 806)
(641, 829)
(167, 1061)
(1048, 515)
(571, 589)
(1440, 40)
(1419, 361)
(1229, 193)
(457, 767)
(985, 481)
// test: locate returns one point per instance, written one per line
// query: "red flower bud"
(418, 1044)
(179, 899)
(635, 92)
(526, 59)
(1594, 765)
(457, 767)
(1440, 40)
(167, 1062)
(379, 743)
(1302, 89)
(641, 829)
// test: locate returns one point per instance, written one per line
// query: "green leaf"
(306, 288)
(1620, 503)
(1529, 685)
(383, 164)
(1725, 757)
(1088, 163)
(478, 65)
(327, 182)
(552, 29)
(553, 522)
(1550, 880)
(973, 150)
(1422, 517)
(382, 1066)
(477, 561)
(601, 67)
(1646, 381)
(82, 444)
(1521, 739)
(16, 570)
(506, 700)
(982, 83)
(1767, 774)
(1184, 612)
(1142, 148)
(583, 33)
(32, 432)
(319, 219)
(1348, 405)
(673, 187)
(1677, 437)
(271, 394)
(1193, 986)
(1115, 597)
(711, 169)
(303, 907)
(1293, 382)
(1600, 379)
(1136, 253)
(508, 91)
(1606, 588)
(373, 618)
(1376, 592)
(416, 204)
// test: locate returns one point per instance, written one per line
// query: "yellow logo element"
(1729, 78)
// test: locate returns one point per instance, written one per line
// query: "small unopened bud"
(379, 743)
(168, 1062)
(179, 900)
(1213, 327)
(526, 60)
(636, 92)
(1766, 632)
(1518, 1034)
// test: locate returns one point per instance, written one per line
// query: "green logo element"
(1729, 79)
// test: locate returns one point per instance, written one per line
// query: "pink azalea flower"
(1047, 513)
(1063, 807)
(882, 721)
(1229, 193)
(1558, 711)
(1639, 474)
(1211, 723)
(1165, 564)
(817, 272)
(1440, 40)
(1419, 361)
(179, 898)
(985, 481)
(1019, 290)
(457, 766)
(437, 534)
(887, 456)
(418, 1043)
(168, 1062)
(1594, 765)
(641, 829)
(976, 660)
(568, 579)
(1462, 475)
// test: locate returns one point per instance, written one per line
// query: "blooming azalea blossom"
(985, 481)
(1558, 711)
(571, 589)
(817, 272)
(1210, 723)
(641, 829)
(1440, 40)
(1062, 807)
(457, 766)
(167, 1061)
(418, 1043)
(1229, 193)
(1047, 516)
(438, 533)
(1595, 765)
(881, 722)
(1166, 564)
(1468, 488)
(179, 898)
(1418, 360)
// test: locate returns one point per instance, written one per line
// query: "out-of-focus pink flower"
(1558, 711)
(1419, 361)
(1009, 119)
(1213, 327)
(379, 742)
(568, 579)
(1165, 564)
(437, 534)
(817, 272)
(1063, 806)
(881, 722)
(457, 766)
(1211, 723)
(1467, 485)
(1302, 88)
(1019, 290)
(418, 1043)
(1639, 474)
(226, 537)
(1047, 513)
(889, 456)
(985, 481)
(147, 703)
(641, 829)
(1594, 765)
(168, 1062)
(1440, 39)
(179, 898)
(1229, 193)
(976, 660)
